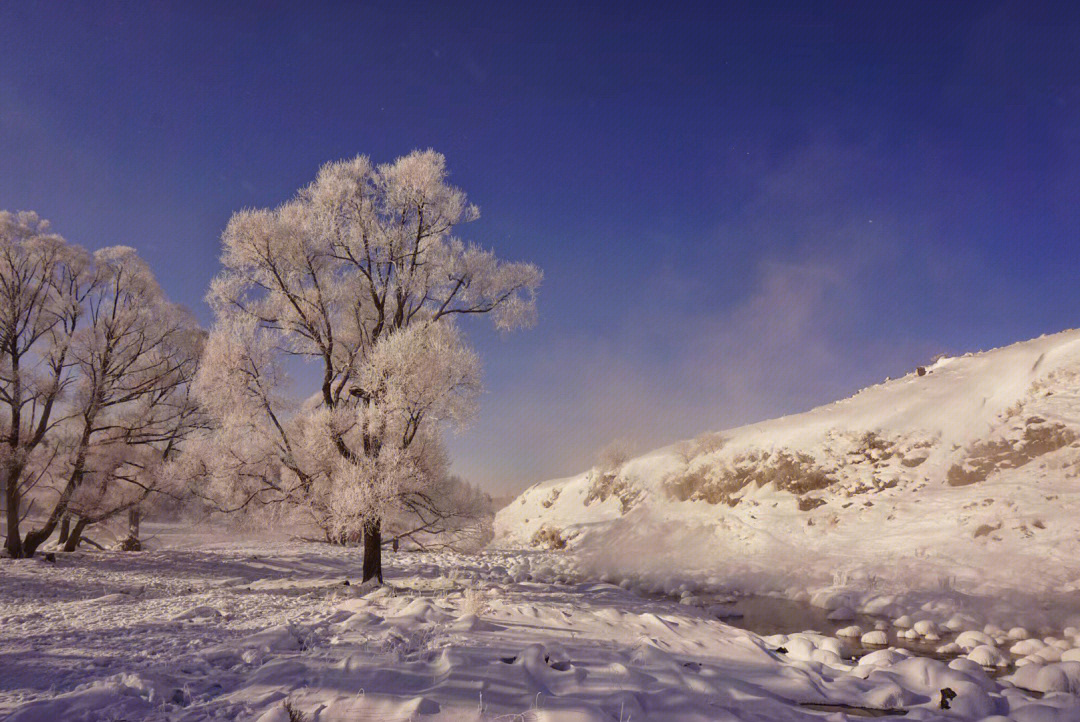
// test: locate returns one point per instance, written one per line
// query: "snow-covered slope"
(964, 472)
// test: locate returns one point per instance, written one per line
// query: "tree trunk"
(76, 536)
(37, 537)
(132, 543)
(12, 502)
(65, 529)
(373, 551)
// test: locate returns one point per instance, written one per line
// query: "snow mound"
(278, 638)
(421, 610)
(200, 612)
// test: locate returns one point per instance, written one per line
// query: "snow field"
(235, 630)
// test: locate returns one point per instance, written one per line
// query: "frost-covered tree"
(43, 284)
(704, 443)
(362, 274)
(128, 407)
(613, 456)
(449, 514)
(92, 357)
(132, 461)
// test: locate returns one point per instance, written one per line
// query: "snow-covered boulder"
(988, 656)
(1056, 677)
(1026, 647)
(1018, 633)
(927, 629)
(971, 639)
(876, 638)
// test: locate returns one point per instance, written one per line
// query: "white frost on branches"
(95, 365)
(362, 275)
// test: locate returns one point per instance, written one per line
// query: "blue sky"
(742, 209)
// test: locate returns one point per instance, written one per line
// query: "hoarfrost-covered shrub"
(613, 457)
(794, 472)
(607, 479)
(548, 537)
(473, 601)
(981, 460)
(408, 644)
(606, 485)
(293, 711)
(706, 443)
(551, 498)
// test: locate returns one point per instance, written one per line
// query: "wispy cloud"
(805, 332)
(786, 347)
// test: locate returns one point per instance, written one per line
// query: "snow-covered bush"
(1038, 437)
(409, 643)
(613, 457)
(548, 537)
(792, 471)
(473, 601)
(293, 711)
(706, 443)
(606, 485)
(607, 477)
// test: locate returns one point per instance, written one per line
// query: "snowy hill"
(961, 473)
